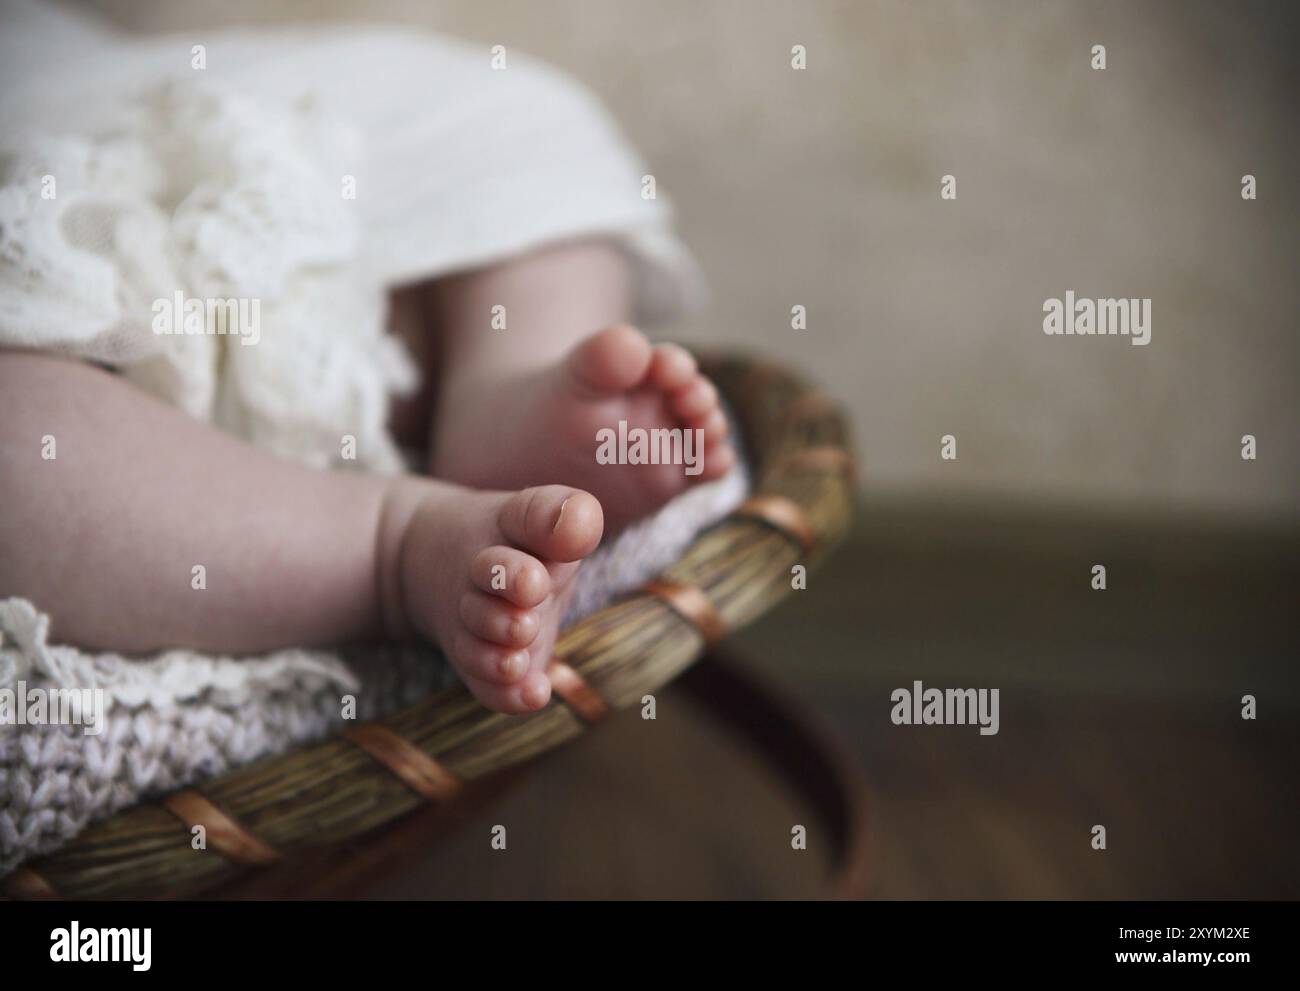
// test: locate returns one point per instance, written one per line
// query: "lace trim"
(197, 189)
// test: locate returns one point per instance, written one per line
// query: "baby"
(478, 558)
(463, 181)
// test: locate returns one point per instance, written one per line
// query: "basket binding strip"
(374, 773)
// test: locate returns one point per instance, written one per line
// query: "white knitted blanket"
(311, 170)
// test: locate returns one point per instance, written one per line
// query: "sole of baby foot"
(487, 576)
(599, 419)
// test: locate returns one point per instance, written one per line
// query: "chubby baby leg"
(109, 535)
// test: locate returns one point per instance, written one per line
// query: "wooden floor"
(1118, 707)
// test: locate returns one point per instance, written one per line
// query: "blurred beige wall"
(821, 188)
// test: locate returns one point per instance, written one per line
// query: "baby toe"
(695, 400)
(510, 574)
(553, 521)
(527, 695)
(715, 427)
(718, 460)
(498, 622)
(474, 657)
(671, 367)
(612, 361)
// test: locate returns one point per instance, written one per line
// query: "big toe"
(553, 521)
(611, 361)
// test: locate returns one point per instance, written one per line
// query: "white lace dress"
(311, 170)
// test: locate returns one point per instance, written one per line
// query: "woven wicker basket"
(375, 773)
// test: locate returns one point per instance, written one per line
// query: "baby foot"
(548, 426)
(486, 576)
